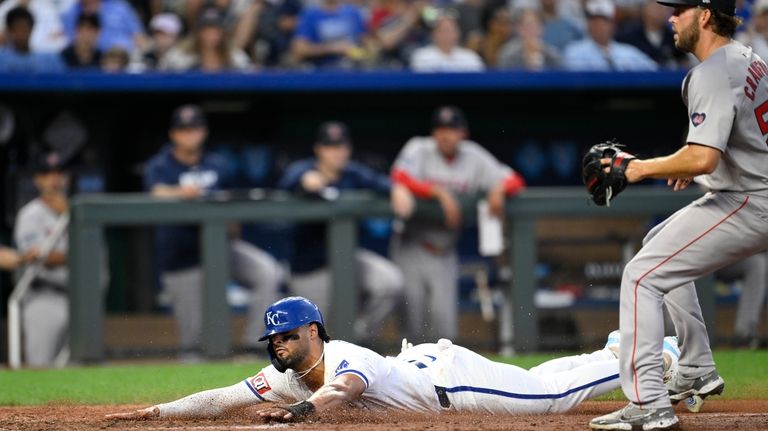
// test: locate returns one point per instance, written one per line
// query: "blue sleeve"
(69, 21)
(306, 26)
(360, 29)
(291, 179)
(367, 178)
(131, 22)
(155, 174)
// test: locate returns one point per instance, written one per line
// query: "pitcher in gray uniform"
(726, 152)
(441, 167)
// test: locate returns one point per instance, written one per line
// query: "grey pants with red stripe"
(708, 234)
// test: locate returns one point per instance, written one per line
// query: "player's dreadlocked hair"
(723, 24)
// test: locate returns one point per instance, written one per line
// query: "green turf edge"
(745, 372)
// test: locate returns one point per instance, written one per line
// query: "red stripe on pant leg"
(637, 285)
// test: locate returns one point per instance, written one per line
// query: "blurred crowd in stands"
(420, 35)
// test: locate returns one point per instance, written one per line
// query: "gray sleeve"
(410, 158)
(711, 107)
(490, 171)
(28, 232)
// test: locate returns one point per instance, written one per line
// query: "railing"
(292, 81)
(92, 213)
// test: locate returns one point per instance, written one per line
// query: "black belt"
(442, 396)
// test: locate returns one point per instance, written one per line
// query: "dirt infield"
(718, 415)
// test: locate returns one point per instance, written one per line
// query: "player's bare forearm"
(689, 161)
(207, 404)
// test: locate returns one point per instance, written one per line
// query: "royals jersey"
(389, 382)
(727, 100)
(442, 376)
(472, 170)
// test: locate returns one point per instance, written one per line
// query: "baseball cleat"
(696, 390)
(632, 417)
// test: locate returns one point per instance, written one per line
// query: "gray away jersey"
(727, 100)
(34, 223)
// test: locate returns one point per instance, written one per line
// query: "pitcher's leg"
(752, 298)
(695, 354)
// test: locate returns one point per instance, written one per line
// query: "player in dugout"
(310, 373)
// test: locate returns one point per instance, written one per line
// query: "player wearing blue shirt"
(184, 171)
(324, 175)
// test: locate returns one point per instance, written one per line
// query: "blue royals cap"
(290, 313)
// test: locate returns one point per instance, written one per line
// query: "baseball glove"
(602, 185)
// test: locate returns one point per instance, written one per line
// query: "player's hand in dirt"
(141, 414)
(276, 414)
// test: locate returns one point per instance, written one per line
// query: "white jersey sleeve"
(711, 105)
(345, 358)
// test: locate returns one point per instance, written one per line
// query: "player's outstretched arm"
(206, 404)
(343, 389)
(689, 161)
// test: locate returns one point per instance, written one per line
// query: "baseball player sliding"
(310, 373)
(726, 152)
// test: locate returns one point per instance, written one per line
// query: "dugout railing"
(91, 214)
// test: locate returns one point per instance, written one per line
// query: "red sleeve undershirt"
(513, 184)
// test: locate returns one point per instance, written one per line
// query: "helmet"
(290, 313)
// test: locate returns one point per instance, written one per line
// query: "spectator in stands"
(184, 170)
(653, 36)
(442, 167)
(265, 28)
(119, 24)
(116, 59)
(399, 28)
(16, 55)
(48, 33)
(10, 259)
(83, 53)
(558, 31)
(207, 49)
(598, 51)
(471, 14)
(324, 175)
(753, 273)
(331, 35)
(165, 29)
(45, 310)
(528, 51)
(445, 54)
(498, 30)
(755, 33)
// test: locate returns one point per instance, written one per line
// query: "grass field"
(745, 372)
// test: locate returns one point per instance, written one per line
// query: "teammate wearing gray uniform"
(45, 309)
(441, 167)
(726, 152)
